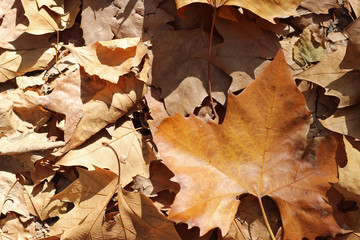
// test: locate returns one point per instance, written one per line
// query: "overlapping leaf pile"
(82, 81)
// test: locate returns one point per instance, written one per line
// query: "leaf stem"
(118, 162)
(266, 220)
(209, 64)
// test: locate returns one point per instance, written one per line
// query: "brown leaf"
(351, 59)
(339, 82)
(43, 20)
(310, 48)
(16, 63)
(345, 121)
(125, 140)
(110, 59)
(268, 9)
(355, 6)
(261, 149)
(105, 102)
(66, 99)
(319, 7)
(13, 228)
(12, 195)
(12, 29)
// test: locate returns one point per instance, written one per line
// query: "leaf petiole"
(266, 220)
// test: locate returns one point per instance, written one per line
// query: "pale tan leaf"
(339, 82)
(16, 63)
(12, 195)
(110, 59)
(127, 143)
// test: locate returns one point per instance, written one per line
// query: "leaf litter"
(81, 81)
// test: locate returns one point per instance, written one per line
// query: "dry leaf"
(345, 121)
(104, 103)
(349, 175)
(66, 99)
(351, 59)
(338, 82)
(319, 7)
(40, 203)
(310, 47)
(261, 148)
(268, 9)
(16, 63)
(12, 195)
(110, 59)
(13, 228)
(42, 20)
(125, 140)
(12, 28)
(355, 4)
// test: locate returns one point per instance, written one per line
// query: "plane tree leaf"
(16, 63)
(339, 82)
(261, 149)
(267, 9)
(110, 59)
(138, 218)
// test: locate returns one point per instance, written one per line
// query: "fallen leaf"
(319, 7)
(189, 85)
(104, 103)
(12, 195)
(310, 47)
(16, 63)
(261, 148)
(351, 59)
(268, 9)
(339, 82)
(125, 140)
(344, 121)
(91, 193)
(43, 21)
(355, 6)
(110, 59)
(348, 175)
(254, 47)
(66, 99)
(97, 18)
(39, 202)
(13, 26)
(13, 228)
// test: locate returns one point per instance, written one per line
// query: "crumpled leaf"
(345, 121)
(42, 20)
(40, 203)
(12, 195)
(125, 140)
(189, 85)
(96, 19)
(339, 82)
(253, 47)
(27, 142)
(310, 47)
(349, 175)
(110, 59)
(12, 28)
(13, 228)
(91, 193)
(351, 59)
(268, 9)
(319, 7)
(261, 148)
(105, 102)
(16, 63)
(66, 99)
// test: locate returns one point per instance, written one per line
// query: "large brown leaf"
(268, 9)
(261, 149)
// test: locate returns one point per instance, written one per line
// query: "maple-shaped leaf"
(261, 149)
(268, 9)
(138, 218)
